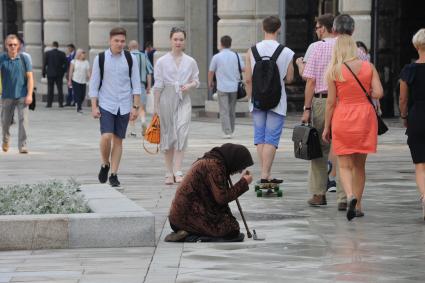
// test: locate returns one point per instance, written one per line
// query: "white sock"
(331, 178)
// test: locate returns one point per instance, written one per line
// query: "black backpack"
(102, 65)
(266, 83)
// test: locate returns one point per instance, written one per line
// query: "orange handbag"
(152, 134)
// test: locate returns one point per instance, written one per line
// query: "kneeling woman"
(201, 205)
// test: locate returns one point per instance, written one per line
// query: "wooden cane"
(248, 233)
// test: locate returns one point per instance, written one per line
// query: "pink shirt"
(318, 62)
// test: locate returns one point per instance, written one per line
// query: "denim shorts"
(114, 124)
(143, 97)
(268, 127)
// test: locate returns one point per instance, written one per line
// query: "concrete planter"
(116, 221)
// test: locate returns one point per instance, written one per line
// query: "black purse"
(241, 85)
(306, 142)
(382, 128)
(33, 103)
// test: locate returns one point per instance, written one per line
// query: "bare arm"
(403, 100)
(290, 73)
(70, 73)
(308, 99)
(330, 107)
(377, 90)
(210, 79)
(148, 82)
(301, 65)
(248, 74)
(30, 88)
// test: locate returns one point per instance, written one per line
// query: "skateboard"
(268, 189)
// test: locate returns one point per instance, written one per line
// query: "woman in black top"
(412, 110)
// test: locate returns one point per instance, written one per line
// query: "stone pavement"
(303, 244)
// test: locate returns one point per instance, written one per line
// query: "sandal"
(178, 177)
(169, 179)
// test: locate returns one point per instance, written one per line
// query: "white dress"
(175, 108)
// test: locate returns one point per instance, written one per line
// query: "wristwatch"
(136, 107)
(306, 108)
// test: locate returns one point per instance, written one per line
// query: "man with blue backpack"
(268, 66)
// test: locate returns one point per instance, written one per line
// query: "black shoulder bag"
(241, 85)
(382, 128)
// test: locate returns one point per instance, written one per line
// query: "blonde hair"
(78, 53)
(345, 49)
(418, 39)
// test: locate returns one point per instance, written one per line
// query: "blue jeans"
(268, 127)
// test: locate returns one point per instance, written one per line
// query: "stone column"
(360, 10)
(196, 44)
(31, 11)
(107, 14)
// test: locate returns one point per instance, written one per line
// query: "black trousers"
(51, 81)
(79, 93)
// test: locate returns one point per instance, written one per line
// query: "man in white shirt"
(225, 65)
(115, 99)
(268, 124)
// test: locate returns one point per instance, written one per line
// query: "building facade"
(86, 23)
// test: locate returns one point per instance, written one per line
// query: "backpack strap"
(101, 67)
(129, 59)
(255, 53)
(23, 65)
(277, 52)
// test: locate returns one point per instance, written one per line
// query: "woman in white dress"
(175, 75)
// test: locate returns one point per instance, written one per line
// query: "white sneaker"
(226, 136)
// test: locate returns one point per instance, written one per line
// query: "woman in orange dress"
(351, 117)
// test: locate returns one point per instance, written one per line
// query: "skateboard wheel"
(276, 189)
(259, 193)
(256, 188)
(279, 193)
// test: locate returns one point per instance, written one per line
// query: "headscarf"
(235, 157)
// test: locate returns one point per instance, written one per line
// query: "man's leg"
(232, 109)
(274, 126)
(223, 102)
(59, 85)
(50, 86)
(8, 107)
(105, 147)
(318, 173)
(23, 113)
(259, 123)
(116, 154)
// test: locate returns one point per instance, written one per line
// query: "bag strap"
(129, 59)
(361, 85)
(255, 53)
(239, 66)
(23, 65)
(101, 67)
(277, 52)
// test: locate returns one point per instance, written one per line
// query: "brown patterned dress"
(200, 205)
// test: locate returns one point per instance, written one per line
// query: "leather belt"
(321, 95)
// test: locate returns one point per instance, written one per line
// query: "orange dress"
(354, 124)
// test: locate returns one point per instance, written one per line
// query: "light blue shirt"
(116, 92)
(145, 66)
(14, 79)
(225, 66)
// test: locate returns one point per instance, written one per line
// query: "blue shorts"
(143, 97)
(114, 124)
(268, 127)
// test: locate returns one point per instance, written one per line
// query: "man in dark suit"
(54, 67)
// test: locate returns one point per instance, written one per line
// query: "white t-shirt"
(81, 68)
(267, 48)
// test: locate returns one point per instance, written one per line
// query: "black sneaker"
(113, 180)
(331, 187)
(103, 173)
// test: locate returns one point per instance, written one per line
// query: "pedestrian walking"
(316, 93)
(352, 117)
(412, 110)
(323, 29)
(225, 66)
(206, 191)
(79, 75)
(176, 73)
(115, 99)
(268, 121)
(70, 98)
(54, 67)
(17, 87)
(146, 70)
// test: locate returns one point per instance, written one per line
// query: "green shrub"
(52, 197)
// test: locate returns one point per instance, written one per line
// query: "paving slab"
(303, 244)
